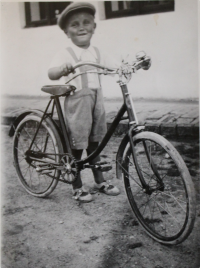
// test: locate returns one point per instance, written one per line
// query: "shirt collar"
(78, 51)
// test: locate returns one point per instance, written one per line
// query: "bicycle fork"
(134, 128)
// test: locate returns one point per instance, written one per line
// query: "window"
(116, 9)
(43, 13)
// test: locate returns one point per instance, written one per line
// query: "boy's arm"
(56, 73)
(60, 65)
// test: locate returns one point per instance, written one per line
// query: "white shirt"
(88, 54)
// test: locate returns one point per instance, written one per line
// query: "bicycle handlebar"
(135, 66)
(92, 64)
(125, 69)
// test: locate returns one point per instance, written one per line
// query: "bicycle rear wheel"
(166, 206)
(39, 184)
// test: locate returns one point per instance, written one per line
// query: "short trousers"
(85, 117)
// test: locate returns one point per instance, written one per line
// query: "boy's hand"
(66, 69)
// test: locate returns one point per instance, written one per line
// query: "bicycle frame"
(127, 106)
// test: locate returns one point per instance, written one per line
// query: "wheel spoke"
(31, 139)
(150, 197)
(128, 175)
(26, 170)
(163, 193)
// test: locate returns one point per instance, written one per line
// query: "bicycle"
(157, 182)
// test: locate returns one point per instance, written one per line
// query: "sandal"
(82, 195)
(107, 188)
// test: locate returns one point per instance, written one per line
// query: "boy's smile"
(80, 28)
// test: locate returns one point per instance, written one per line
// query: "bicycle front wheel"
(159, 188)
(47, 141)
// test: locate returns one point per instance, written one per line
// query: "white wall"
(170, 38)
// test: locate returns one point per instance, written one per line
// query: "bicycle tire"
(48, 141)
(167, 214)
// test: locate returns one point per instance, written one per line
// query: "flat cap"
(73, 7)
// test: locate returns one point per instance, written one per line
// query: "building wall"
(170, 39)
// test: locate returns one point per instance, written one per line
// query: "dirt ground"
(58, 232)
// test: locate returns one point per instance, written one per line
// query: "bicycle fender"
(119, 156)
(20, 117)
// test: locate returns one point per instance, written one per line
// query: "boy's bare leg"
(78, 183)
(79, 193)
(101, 184)
(98, 175)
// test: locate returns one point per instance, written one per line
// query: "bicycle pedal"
(103, 168)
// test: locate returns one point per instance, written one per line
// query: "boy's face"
(80, 28)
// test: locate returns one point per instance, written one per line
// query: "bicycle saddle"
(58, 90)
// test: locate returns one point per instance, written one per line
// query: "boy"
(84, 111)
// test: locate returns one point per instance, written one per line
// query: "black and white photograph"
(100, 134)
